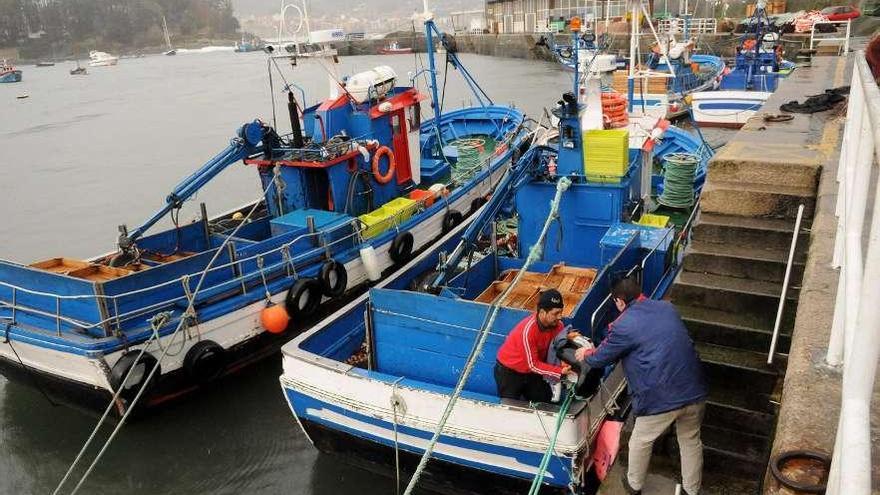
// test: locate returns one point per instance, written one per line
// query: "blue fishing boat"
(758, 68)
(358, 187)
(8, 73)
(246, 45)
(404, 373)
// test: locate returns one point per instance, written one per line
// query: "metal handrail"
(845, 39)
(794, 239)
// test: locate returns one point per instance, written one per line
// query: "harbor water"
(83, 154)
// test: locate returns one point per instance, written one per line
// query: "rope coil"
(678, 184)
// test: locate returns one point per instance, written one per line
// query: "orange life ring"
(386, 178)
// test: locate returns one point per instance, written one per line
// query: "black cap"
(549, 299)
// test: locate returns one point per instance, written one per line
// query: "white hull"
(482, 434)
(727, 108)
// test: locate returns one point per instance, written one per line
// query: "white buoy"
(371, 263)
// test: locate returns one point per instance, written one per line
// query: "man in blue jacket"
(665, 380)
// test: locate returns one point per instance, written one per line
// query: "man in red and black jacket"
(521, 363)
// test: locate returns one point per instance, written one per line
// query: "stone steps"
(769, 233)
(734, 295)
(732, 330)
(747, 370)
(757, 200)
(742, 262)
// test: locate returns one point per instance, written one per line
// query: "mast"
(165, 31)
(429, 42)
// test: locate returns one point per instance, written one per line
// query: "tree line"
(117, 23)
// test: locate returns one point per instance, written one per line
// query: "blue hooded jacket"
(658, 356)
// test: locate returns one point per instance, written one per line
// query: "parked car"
(840, 12)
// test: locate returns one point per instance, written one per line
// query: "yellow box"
(386, 216)
(651, 220)
(606, 154)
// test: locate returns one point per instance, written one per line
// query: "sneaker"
(630, 490)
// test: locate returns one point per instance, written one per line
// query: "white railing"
(816, 38)
(855, 335)
(675, 25)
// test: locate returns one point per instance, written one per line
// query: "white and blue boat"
(8, 73)
(373, 382)
(359, 186)
(756, 73)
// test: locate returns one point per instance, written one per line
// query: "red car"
(840, 13)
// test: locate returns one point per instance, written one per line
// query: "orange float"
(274, 318)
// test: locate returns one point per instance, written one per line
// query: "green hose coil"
(679, 173)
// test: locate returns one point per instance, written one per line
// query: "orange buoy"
(274, 318)
(614, 110)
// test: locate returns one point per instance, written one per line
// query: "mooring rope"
(148, 379)
(545, 460)
(535, 253)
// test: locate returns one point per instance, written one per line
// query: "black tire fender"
(131, 359)
(205, 361)
(451, 220)
(303, 298)
(401, 247)
(334, 278)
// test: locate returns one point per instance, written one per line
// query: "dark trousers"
(521, 386)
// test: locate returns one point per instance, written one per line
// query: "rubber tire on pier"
(205, 361)
(296, 306)
(451, 220)
(777, 463)
(401, 247)
(334, 278)
(129, 360)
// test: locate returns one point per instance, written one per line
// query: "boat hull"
(12, 76)
(397, 51)
(104, 63)
(726, 108)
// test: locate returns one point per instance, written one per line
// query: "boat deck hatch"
(571, 282)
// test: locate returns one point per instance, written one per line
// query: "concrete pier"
(730, 285)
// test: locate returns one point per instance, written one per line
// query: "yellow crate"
(606, 154)
(386, 216)
(651, 220)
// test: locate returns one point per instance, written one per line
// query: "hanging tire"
(401, 247)
(142, 364)
(303, 298)
(477, 203)
(451, 220)
(205, 361)
(334, 278)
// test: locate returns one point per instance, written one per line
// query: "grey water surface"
(83, 154)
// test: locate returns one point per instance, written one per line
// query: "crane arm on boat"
(244, 144)
(511, 181)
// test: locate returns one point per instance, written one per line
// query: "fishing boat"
(756, 73)
(102, 59)
(394, 48)
(78, 70)
(44, 64)
(359, 186)
(171, 50)
(246, 45)
(401, 379)
(8, 73)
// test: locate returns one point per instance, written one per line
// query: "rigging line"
(534, 254)
(140, 392)
(272, 93)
